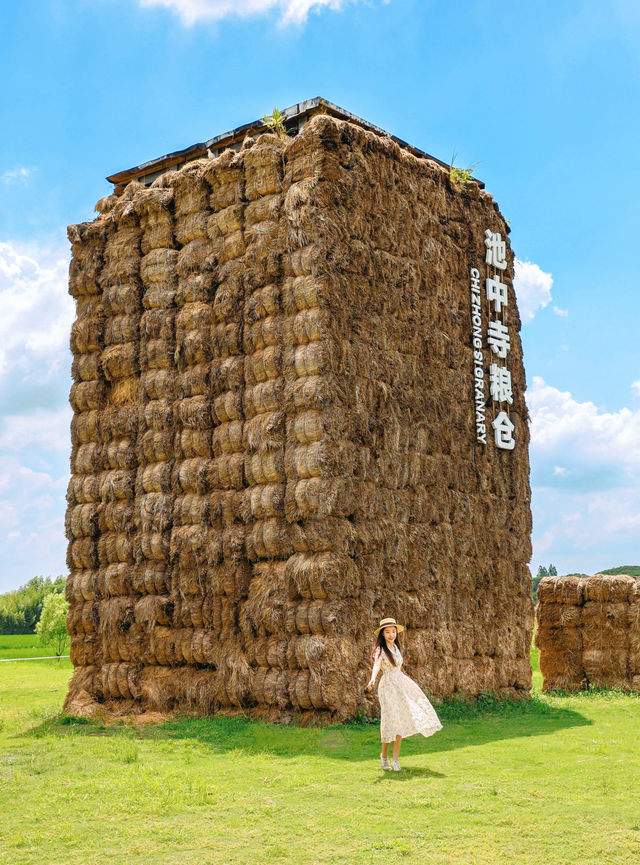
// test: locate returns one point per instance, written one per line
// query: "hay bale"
(592, 641)
(601, 587)
(561, 590)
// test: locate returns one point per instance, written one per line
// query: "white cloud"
(533, 288)
(35, 363)
(635, 387)
(563, 313)
(589, 532)
(40, 429)
(37, 313)
(586, 482)
(596, 450)
(16, 175)
(32, 538)
(291, 11)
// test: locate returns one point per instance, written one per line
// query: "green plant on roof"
(275, 122)
(459, 176)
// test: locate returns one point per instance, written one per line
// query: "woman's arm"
(374, 672)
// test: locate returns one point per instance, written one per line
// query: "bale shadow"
(356, 741)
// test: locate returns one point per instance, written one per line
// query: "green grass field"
(24, 646)
(550, 782)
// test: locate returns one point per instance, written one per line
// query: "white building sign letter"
(496, 250)
(498, 338)
(504, 431)
(497, 293)
(500, 384)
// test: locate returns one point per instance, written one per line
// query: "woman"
(404, 708)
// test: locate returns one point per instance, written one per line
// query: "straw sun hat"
(385, 623)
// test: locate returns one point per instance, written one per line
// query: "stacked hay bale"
(119, 432)
(105, 338)
(589, 632)
(250, 232)
(289, 402)
(438, 532)
(230, 572)
(193, 550)
(328, 610)
(559, 633)
(84, 512)
(155, 489)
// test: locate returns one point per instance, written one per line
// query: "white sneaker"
(384, 762)
(395, 765)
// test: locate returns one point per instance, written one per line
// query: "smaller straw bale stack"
(589, 632)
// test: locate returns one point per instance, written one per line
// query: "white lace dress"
(404, 709)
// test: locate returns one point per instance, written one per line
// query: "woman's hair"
(382, 643)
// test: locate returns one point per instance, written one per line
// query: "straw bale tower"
(277, 437)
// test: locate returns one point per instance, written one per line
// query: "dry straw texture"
(273, 437)
(589, 632)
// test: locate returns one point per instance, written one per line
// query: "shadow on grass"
(464, 724)
(407, 774)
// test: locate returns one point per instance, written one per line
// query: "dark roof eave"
(202, 149)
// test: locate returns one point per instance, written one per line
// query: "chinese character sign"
(497, 293)
(498, 338)
(504, 427)
(496, 250)
(500, 384)
(498, 341)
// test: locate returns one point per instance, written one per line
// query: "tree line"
(20, 609)
(630, 570)
(543, 571)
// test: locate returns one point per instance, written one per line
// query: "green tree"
(542, 572)
(21, 608)
(52, 627)
(630, 570)
(534, 588)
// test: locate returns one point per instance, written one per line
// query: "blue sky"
(544, 95)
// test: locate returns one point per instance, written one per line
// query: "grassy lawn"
(24, 646)
(546, 783)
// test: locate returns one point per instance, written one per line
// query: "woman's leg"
(385, 750)
(396, 747)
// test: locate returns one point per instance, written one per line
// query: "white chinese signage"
(498, 342)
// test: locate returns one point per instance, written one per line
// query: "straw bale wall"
(273, 437)
(588, 632)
